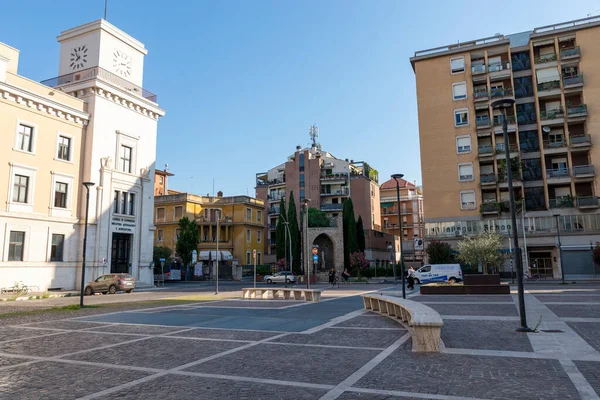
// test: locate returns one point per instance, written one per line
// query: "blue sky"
(243, 80)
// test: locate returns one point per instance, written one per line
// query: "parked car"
(280, 277)
(111, 283)
(439, 273)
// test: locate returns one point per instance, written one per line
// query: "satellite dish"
(546, 129)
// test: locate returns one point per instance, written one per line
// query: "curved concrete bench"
(313, 295)
(423, 322)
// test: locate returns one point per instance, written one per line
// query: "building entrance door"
(541, 264)
(121, 250)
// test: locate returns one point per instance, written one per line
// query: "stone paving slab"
(568, 298)
(51, 380)
(225, 334)
(10, 333)
(316, 364)
(6, 361)
(591, 371)
(159, 352)
(67, 324)
(346, 337)
(485, 335)
(589, 331)
(373, 396)
(253, 303)
(463, 298)
(507, 310)
(68, 342)
(196, 388)
(371, 322)
(471, 376)
(136, 329)
(584, 310)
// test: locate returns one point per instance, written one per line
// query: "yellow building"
(240, 222)
(42, 130)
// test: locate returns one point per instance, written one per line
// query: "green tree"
(161, 252)
(280, 232)
(360, 235)
(349, 228)
(295, 232)
(189, 237)
(317, 218)
(439, 253)
(483, 249)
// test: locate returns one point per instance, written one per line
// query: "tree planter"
(473, 284)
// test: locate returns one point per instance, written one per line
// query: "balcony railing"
(552, 114)
(581, 140)
(535, 203)
(512, 147)
(486, 150)
(495, 67)
(477, 69)
(580, 109)
(510, 119)
(553, 144)
(501, 92)
(487, 178)
(588, 201)
(98, 72)
(482, 121)
(526, 118)
(570, 53)
(546, 86)
(490, 207)
(557, 173)
(332, 207)
(561, 202)
(338, 192)
(336, 176)
(545, 58)
(573, 80)
(580, 170)
(273, 210)
(481, 94)
(272, 226)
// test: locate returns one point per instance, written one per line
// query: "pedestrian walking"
(411, 278)
(332, 276)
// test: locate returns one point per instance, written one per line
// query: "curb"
(40, 297)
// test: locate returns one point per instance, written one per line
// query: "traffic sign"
(315, 250)
(162, 259)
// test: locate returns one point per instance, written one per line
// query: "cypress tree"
(360, 235)
(295, 232)
(349, 228)
(280, 232)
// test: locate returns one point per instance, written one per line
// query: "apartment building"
(326, 181)
(93, 123)
(239, 231)
(552, 74)
(411, 212)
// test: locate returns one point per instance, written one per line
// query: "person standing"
(332, 276)
(411, 278)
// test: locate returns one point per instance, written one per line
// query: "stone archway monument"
(330, 244)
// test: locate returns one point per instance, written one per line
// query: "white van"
(439, 273)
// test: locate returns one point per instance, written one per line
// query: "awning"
(386, 204)
(224, 255)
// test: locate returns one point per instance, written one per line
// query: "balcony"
(562, 202)
(573, 52)
(482, 122)
(587, 202)
(102, 74)
(577, 111)
(480, 95)
(572, 81)
(552, 114)
(487, 179)
(337, 192)
(553, 146)
(334, 177)
(490, 207)
(545, 58)
(510, 119)
(548, 86)
(512, 148)
(485, 151)
(477, 69)
(535, 203)
(526, 118)
(276, 197)
(524, 90)
(332, 207)
(273, 210)
(558, 173)
(584, 171)
(499, 70)
(499, 93)
(388, 211)
(581, 142)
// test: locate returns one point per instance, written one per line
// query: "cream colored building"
(93, 123)
(552, 73)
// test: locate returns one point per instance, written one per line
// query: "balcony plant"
(565, 201)
(515, 167)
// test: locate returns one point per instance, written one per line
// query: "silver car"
(280, 277)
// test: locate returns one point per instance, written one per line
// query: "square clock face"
(121, 63)
(78, 58)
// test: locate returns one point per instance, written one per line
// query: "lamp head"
(397, 176)
(503, 104)
(88, 184)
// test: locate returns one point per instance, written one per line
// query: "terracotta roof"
(391, 184)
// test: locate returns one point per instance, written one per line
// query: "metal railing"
(487, 178)
(338, 192)
(579, 170)
(569, 53)
(581, 140)
(512, 147)
(498, 119)
(558, 173)
(490, 206)
(561, 202)
(273, 210)
(588, 201)
(545, 58)
(552, 85)
(481, 94)
(552, 144)
(552, 114)
(332, 207)
(335, 176)
(495, 67)
(501, 92)
(486, 150)
(478, 69)
(579, 109)
(573, 80)
(482, 121)
(99, 72)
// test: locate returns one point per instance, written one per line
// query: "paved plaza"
(260, 349)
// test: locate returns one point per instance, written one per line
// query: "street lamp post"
(396, 177)
(394, 253)
(306, 247)
(503, 105)
(562, 267)
(217, 274)
(288, 234)
(87, 185)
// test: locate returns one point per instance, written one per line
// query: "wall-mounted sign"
(123, 224)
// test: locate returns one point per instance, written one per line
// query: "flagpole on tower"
(105, 6)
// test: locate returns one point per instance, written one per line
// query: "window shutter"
(459, 91)
(457, 64)
(463, 144)
(547, 75)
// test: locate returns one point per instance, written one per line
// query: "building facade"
(552, 137)
(411, 212)
(325, 181)
(93, 123)
(161, 178)
(239, 231)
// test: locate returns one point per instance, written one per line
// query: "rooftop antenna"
(191, 184)
(105, 7)
(313, 132)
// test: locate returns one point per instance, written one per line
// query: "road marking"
(328, 346)
(586, 391)
(410, 394)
